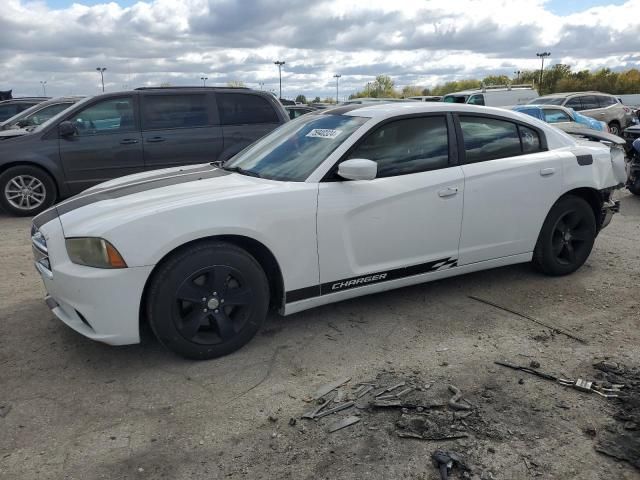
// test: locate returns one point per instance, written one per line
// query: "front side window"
(114, 115)
(294, 150)
(407, 146)
(553, 115)
(42, 115)
(574, 103)
(476, 100)
(489, 139)
(244, 108)
(455, 98)
(174, 111)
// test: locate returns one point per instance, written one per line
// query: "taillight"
(627, 109)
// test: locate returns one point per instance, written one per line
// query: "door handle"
(129, 141)
(155, 139)
(448, 192)
(545, 172)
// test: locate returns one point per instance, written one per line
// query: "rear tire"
(634, 187)
(614, 128)
(566, 238)
(26, 190)
(208, 300)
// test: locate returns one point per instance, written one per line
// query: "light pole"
(44, 87)
(337, 77)
(542, 56)
(261, 85)
(517, 72)
(279, 63)
(101, 70)
(204, 81)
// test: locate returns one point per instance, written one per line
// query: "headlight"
(94, 252)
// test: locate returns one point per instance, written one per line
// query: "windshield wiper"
(242, 171)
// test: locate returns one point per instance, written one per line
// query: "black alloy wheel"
(207, 300)
(566, 238)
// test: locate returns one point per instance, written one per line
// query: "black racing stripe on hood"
(137, 187)
(45, 217)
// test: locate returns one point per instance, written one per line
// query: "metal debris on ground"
(445, 461)
(608, 391)
(527, 317)
(329, 387)
(342, 423)
(455, 401)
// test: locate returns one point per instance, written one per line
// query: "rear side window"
(606, 101)
(476, 100)
(242, 108)
(590, 102)
(174, 111)
(489, 139)
(407, 146)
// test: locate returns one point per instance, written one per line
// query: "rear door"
(245, 117)
(510, 184)
(179, 129)
(107, 143)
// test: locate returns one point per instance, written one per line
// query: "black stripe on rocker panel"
(369, 279)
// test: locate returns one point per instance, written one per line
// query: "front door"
(179, 129)
(511, 182)
(107, 144)
(405, 222)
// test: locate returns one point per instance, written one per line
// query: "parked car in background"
(334, 205)
(363, 100)
(630, 134)
(426, 98)
(10, 108)
(494, 96)
(116, 134)
(296, 111)
(601, 106)
(30, 118)
(561, 116)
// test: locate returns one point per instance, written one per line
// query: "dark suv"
(117, 134)
(13, 106)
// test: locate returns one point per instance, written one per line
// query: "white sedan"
(330, 206)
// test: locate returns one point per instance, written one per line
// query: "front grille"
(40, 251)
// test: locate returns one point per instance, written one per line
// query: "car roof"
(571, 94)
(24, 99)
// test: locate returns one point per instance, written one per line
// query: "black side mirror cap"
(66, 129)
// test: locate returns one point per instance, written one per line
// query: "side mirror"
(22, 123)
(66, 129)
(358, 169)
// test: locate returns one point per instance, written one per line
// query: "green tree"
(301, 99)
(316, 100)
(412, 91)
(496, 80)
(235, 83)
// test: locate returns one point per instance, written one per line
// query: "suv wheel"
(634, 187)
(614, 128)
(26, 190)
(566, 238)
(208, 301)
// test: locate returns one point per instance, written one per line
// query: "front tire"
(26, 190)
(634, 187)
(208, 300)
(614, 128)
(566, 238)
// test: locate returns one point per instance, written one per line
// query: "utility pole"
(101, 70)
(261, 85)
(44, 87)
(517, 72)
(337, 77)
(204, 81)
(542, 56)
(279, 63)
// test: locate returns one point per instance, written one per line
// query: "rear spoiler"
(594, 135)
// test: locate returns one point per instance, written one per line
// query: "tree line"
(557, 78)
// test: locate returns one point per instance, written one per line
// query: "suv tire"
(26, 190)
(614, 128)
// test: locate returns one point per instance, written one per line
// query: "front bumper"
(101, 304)
(608, 209)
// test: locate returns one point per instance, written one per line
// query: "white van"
(494, 96)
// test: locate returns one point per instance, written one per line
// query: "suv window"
(476, 100)
(554, 115)
(489, 139)
(590, 102)
(407, 146)
(174, 111)
(114, 115)
(243, 108)
(8, 111)
(606, 101)
(574, 103)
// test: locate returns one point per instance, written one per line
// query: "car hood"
(120, 201)
(15, 132)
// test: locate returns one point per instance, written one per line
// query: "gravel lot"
(72, 408)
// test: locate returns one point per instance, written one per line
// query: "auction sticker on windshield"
(323, 133)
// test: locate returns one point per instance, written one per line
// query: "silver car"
(601, 106)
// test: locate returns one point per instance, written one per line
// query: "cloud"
(414, 41)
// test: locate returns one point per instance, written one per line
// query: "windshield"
(547, 101)
(455, 98)
(294, 150)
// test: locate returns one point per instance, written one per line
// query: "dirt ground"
(71, 408)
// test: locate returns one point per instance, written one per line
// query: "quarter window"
(174, 111)
(243, 108)
(109, 116)
(489, 139)
(530, 139)
(407, 146)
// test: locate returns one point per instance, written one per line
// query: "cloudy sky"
(143, 43)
